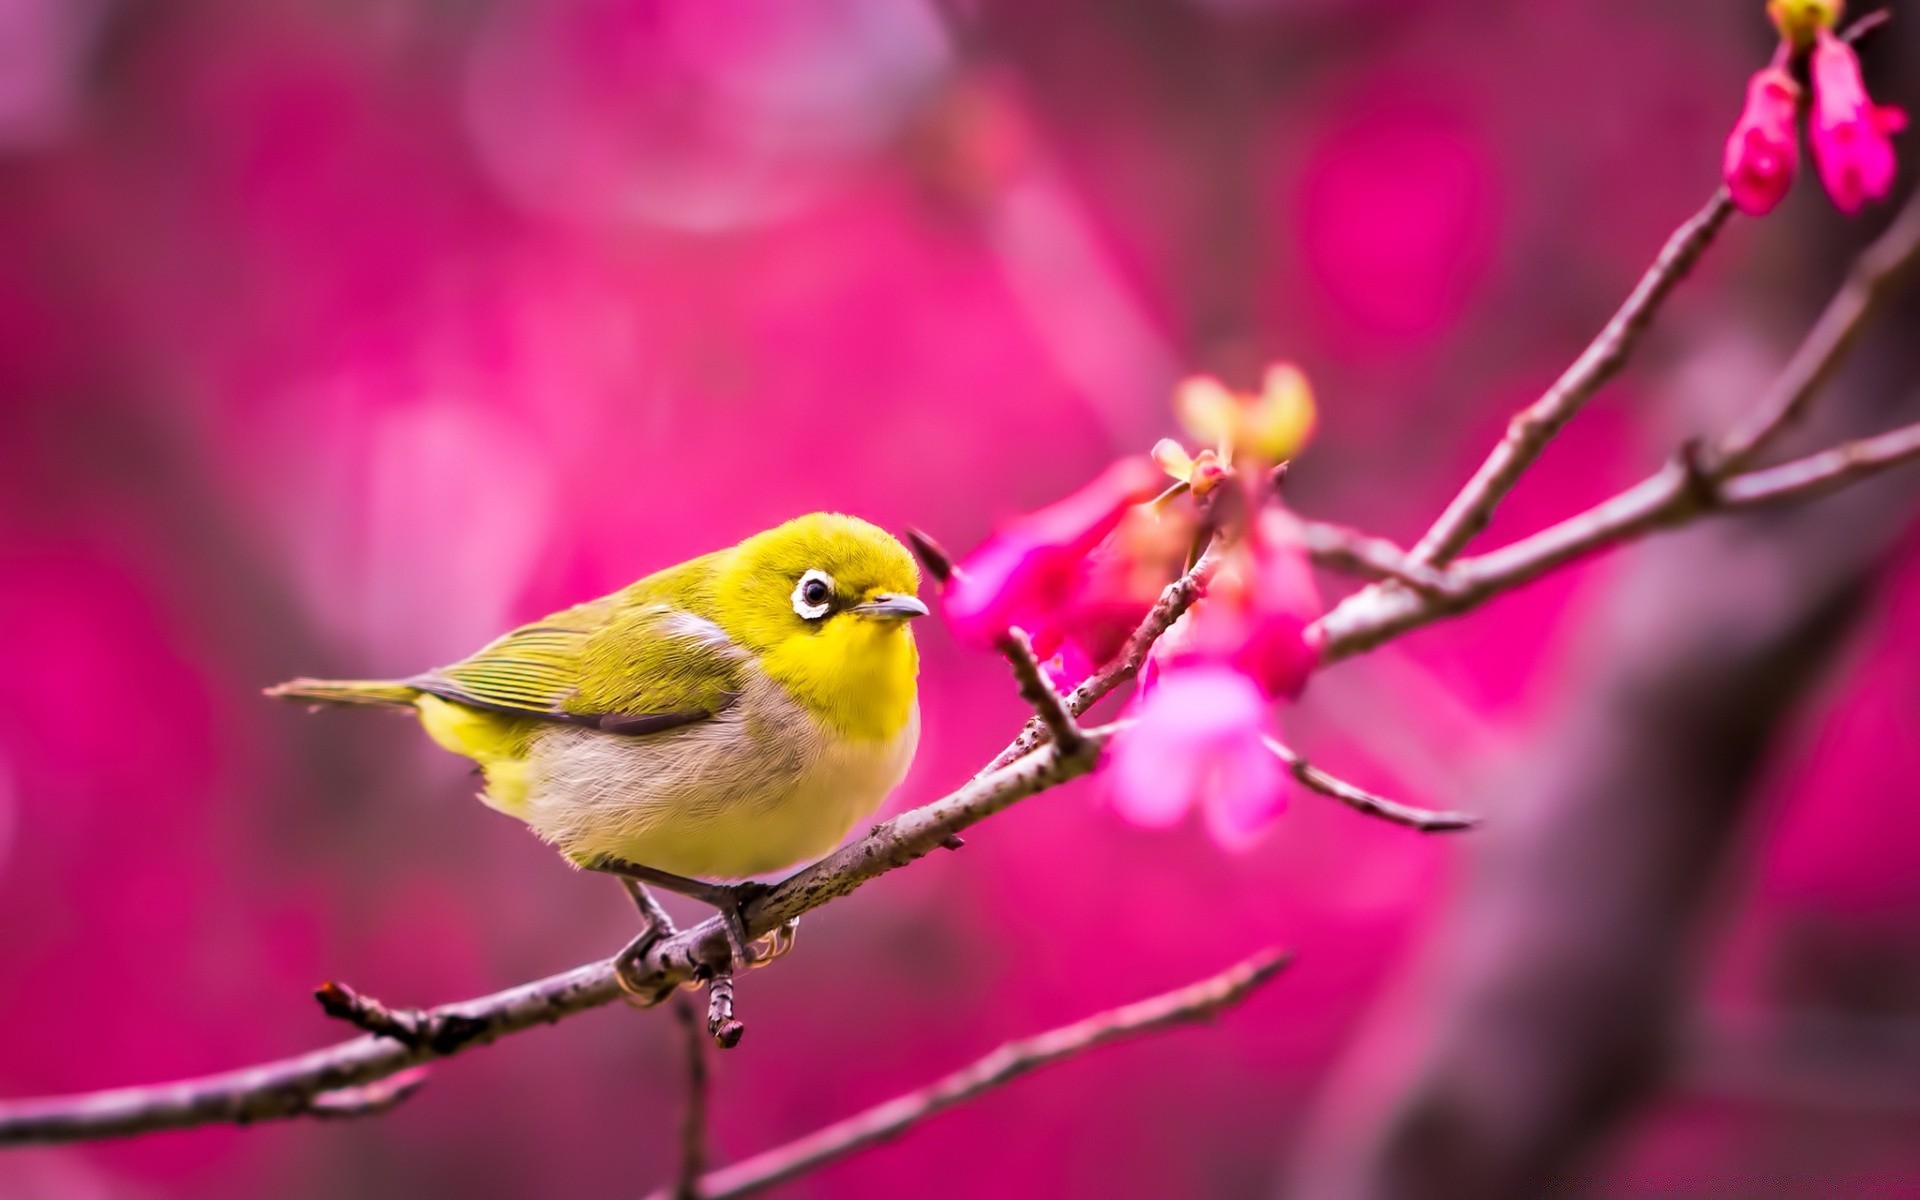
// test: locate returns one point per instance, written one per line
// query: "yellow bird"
(724, 718)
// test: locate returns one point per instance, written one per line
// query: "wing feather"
(627, 664)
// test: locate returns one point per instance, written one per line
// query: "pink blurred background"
(338, 335)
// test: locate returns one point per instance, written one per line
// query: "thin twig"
(1174, 601)
(408, 1026)
(932, 555)
(1038, 691)
(1424, 820)
(1535, 426)
(1350, 550)
(693, 1126)
(1193, 1003)
(1823, 472)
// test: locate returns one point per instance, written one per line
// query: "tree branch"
(1193, 1003)
(1695, 483)
(290, 1087)
(1823, 472)
(1424, 820)
(1535, 426)
(1350, 550)
(1679, 493)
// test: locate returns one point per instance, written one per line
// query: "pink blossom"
(1852, 136)
(1123, 578)
(1763, 151)
(1198, 742)
(1029, 575)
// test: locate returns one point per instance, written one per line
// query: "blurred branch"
(1350, 550)
(1196, 1002)
(693, 1127)
(1822, 472)
(1424, 820)
(1535, 426)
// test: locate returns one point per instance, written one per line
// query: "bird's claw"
(780, 941)
(627, 967)
(731, 901)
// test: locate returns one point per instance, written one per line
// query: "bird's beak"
(891, 605)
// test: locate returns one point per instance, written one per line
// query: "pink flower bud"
(1763, 151)
(1852, 136)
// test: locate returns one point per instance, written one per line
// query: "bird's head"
(823, 602)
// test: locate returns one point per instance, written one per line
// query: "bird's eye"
(813, 595)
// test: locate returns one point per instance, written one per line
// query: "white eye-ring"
(813, 595)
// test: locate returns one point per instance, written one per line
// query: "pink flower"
(1198, 742)
(1032, 573)
(1852, 136)
(1123, 577)
(1763, 152)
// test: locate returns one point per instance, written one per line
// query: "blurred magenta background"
(338, 335)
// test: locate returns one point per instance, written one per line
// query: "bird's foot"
(655, 926)
(730, 900)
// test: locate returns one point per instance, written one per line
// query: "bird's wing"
(624, 664)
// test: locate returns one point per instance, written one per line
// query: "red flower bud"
(1763, 151)
(1852, 136)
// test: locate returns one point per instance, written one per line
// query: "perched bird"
(724, 718)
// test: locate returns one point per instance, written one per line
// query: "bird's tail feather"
(382, 692)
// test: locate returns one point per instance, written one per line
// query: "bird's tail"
(382, 692)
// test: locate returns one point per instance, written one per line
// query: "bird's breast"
(767, 784)
(857, 676)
